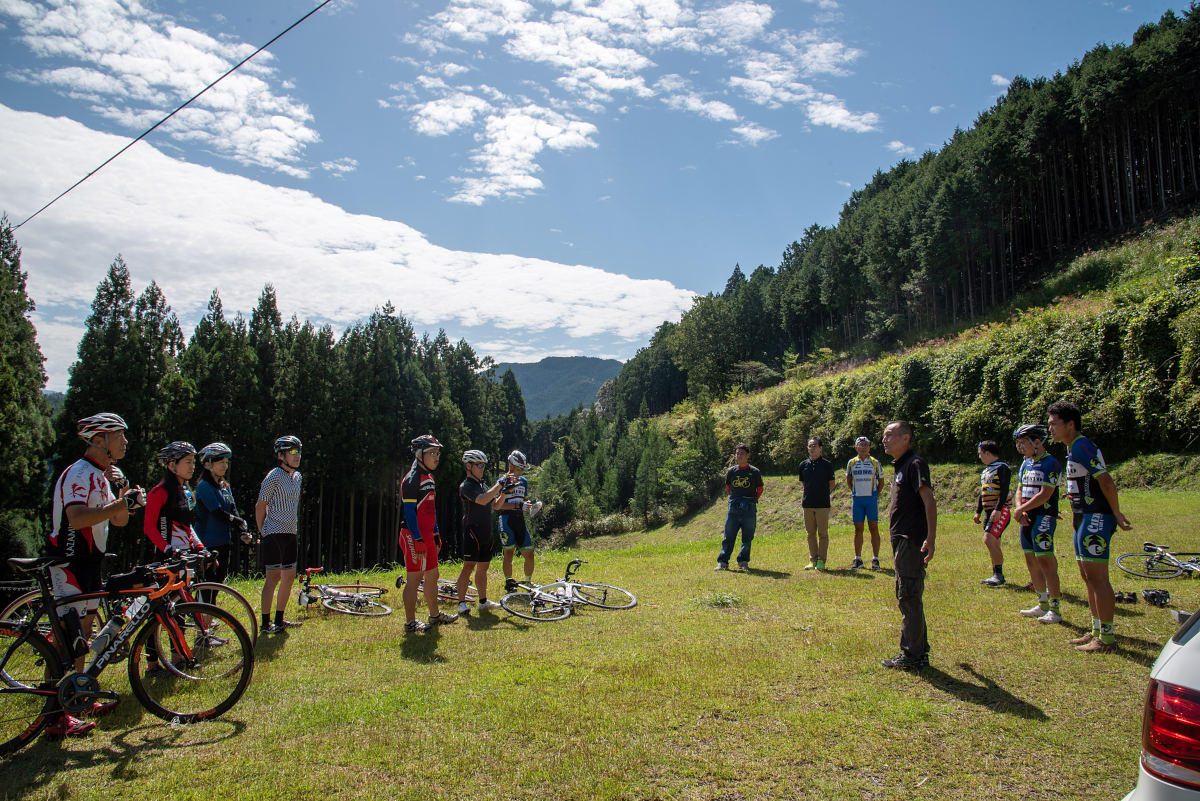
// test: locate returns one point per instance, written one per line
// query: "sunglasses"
(293, 452)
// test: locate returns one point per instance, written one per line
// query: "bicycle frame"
(1188, 566)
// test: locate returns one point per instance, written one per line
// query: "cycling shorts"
(864, 508)
(278, 551)
(77, 577)
(477, 546)
(1038, 538)
(1093, 536)
(514, 533)
(996, 521)
(408, 549)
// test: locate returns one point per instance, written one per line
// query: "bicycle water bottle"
(101, 640)
(135, 607)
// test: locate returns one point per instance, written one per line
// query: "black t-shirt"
(476, 517)
(907, 514)
(816, 475)
(743, 483)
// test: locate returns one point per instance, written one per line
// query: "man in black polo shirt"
(913, 527)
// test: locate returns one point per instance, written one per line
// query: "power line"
(184, 105)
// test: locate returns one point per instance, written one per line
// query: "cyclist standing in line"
(1097, 514)
(478, 542)
(419, 533)
(171, 506)
(864, 479)
(992, 506)
(1037, 515)
(217, 517)
(514, 534)
(277, 513)
(83, 507)
(744, 484)
(816, 473)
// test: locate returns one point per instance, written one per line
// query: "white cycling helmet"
(474, 457)
(517, 459)
(103, 423)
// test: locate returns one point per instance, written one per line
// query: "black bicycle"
(179, 669)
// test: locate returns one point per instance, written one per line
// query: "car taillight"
(1171, 733)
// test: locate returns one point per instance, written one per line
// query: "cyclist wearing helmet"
(217, 517)
(1037, 515)
(992, 506)
(171, 506)
(277, 513)
(84, 504)
(478, 543)
(514, 533)
(419, 533)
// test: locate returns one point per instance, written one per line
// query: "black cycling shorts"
(478, 546)
(278, 551)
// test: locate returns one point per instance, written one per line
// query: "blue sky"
(542, 177)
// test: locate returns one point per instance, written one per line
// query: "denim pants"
(743, 514)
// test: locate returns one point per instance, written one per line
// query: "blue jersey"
(515, 492)
(1084, 462)
(865, 474)
(1033, 476)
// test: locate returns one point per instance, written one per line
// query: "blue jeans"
(743, 514)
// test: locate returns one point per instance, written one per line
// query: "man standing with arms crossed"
(864, 479)
(913, 528)
(277, 515)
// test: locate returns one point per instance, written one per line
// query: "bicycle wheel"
(368, 590)
(27, 666)
(232, 601)
(202, 678)
(604, 596)
(23, 608)
(1148, 565)
(531, 607)
(356, 605)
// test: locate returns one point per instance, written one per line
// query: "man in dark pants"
(913, 527)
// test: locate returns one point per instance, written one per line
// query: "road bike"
(447, 589)
(558, 599)
(180, 673)
(349, 599)
(1159, 562)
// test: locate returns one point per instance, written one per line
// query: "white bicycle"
(557, 600)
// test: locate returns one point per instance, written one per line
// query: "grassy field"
(737, 685)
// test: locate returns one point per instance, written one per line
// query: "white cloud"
(192, 229)
(340, 167)
(896, 146)
(447, 114)
(936, 109)
(1000, 81)
(753, 134)
(136, 65)
(829, 110)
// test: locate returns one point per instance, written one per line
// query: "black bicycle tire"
(580, 591)
(1128, 561)
(10, 688)
(238, 598)
(526, 604)
(237, 637)
(365, 607)
(370, 590)
(31, 602)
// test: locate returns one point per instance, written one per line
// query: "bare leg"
(874, 526)
(481, 569)
(268, 591)
(431, 590)
(410, 595)
(858, 540)
(286, 577)
(993, 547)
(529, 562)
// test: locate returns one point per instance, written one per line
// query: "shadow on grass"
(845, 572)
(488, 619)
(986, 693)
(269, 645)
(773, 574)
(1135, 649)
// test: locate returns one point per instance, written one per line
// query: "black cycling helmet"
(175, 451)
(1031, 430)
(287, 442)
(425, 442)
(215, 451)
(103, 423)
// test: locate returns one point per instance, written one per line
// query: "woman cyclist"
(171, 506)
(217, 516)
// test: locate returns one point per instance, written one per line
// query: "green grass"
(728, 685)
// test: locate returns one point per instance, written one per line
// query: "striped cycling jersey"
(281, 492)
(865, 474)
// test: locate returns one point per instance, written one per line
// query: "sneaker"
(1082, 639)
(1096, 646)
(98, 709)
(442, 618)
(414, 626)
(464, 608)
(819, 565)
(875, 563)
(288, 624)
(67, 726)
(210, 641)
(812, 565)
(857, 564)
(511, 585)
(488, 605)
(744, 565)
(720, 566)
(995, 580)
(1034, 611)
(269, 628)
(1050, 617)
(903, 661)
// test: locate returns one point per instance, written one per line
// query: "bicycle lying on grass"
(447, 590)
(349, 599)
(1158, 562)
(178, 669)
(556, 601)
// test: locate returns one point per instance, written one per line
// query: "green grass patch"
(719, 685)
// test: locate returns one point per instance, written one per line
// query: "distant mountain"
(557, 384)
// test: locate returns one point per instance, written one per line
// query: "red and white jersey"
(82, 483)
